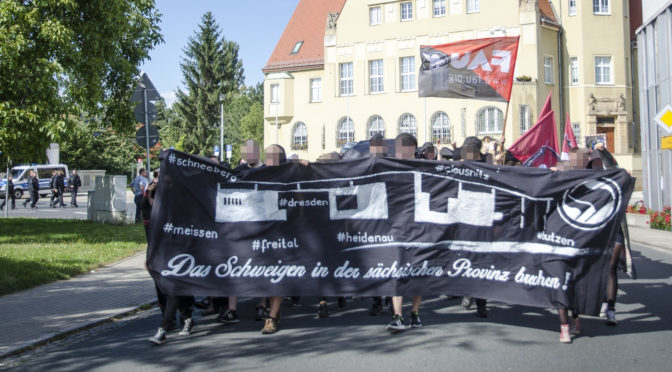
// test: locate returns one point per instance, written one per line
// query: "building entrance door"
(609, 133)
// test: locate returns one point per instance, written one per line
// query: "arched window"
(376, 126)
(300, 136)
(440, 128)
(346, 131)
(407, 124)
(489, 120)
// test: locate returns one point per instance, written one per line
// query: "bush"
(660, 220)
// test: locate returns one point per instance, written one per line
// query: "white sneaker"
(603, 310)
(188, 325)
(565, 338)
(159, 337)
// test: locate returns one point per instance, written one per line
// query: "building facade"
(345, 70)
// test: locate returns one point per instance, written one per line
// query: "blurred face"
(578, 160)
(143, 173)
(471, 153)
(429, 154)
(599, 146)
(403, 151)
(273, 156)
(74, 171)
(378, 150)
(250, 152)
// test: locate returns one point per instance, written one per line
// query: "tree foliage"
(211, 70)
(62, 57)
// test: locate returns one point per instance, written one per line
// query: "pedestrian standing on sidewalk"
(9, 192)
(75, 183)
(138, 186)
(60, 186)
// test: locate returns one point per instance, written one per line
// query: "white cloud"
(169, 97)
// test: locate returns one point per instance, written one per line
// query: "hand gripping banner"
(479, 69)
(380, 226)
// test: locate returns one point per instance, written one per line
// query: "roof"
(307, 24)
(547, 13)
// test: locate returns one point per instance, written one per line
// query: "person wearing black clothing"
(53, 188)
(33, 190)
(75, 183)
(9, 189)
(60, 186)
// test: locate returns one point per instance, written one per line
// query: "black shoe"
(376, 308)
(262, 313)
(342, 302)
(415, 320)
(322, 311)
(228, 317)
(396, 325)
(481, 312)
(203, 304)
(159, 337)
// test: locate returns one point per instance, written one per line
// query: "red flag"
(569, 141)
(547, 107)
(480, 69)
(538, 147)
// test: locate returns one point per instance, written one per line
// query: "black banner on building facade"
(380, 226)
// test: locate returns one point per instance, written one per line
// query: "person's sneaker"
(261, 313)
(322, 311)
(466, 302)
(203, 304)
(159, 337)
(341, 302)
(481, 312)
(396, 325)
(603, 310)
(228, 317)
(565, 338)
(271, 326)
(611, 317)
(575, 326)
(186, 329)
(376, 308)
(415, 320)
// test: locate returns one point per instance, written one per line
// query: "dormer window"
(297, 46)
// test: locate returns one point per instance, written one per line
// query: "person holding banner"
(405, 146)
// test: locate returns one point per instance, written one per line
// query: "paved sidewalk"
(46, 311)
(651, 237)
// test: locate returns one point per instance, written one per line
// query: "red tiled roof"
(547, 11)
(307, 24)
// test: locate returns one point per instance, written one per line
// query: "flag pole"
(503, 137)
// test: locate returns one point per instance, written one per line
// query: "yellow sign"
(666, 143)
(664, 118)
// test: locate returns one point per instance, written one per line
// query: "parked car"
(20, 174)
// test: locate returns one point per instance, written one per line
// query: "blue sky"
(255, 25)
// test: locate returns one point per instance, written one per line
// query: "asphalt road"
(44, 211)
(513, 338)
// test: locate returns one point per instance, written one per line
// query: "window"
(473, 6)
(572, 7)
(375, 16)
(407, 124)
(346, 79)
(406, 11)
(489, 120)
(548, 70)
(573, 71)
(376, 126)
(376, 76)
(440, 128)
(316, 90)
(407, 73)
(275, 93)
(603, 70)
(439, 8)
(576, 127)
(297, 47)
(525, 118)
(300, 136)
(601, 7)
(346, 131)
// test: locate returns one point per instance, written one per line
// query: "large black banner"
(380, 226)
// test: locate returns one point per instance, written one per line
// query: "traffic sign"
(145, 84)
(666, 143)
(141, 136)
(216, 151)
(228, 151)
(139, 113)
(664, 118)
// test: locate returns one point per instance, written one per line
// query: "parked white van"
(20, 174)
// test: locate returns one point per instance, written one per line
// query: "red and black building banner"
(478, 69)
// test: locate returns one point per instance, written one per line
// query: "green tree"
(211, 70)
(61, 57)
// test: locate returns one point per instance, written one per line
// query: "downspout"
(561, 95)
(636, 139)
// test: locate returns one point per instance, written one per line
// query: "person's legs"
(564, 326)
(271, 325)
(138, 201)
(377, 306)
(60, 198)
(35, 198)
(415, 312)
(73, 198)
(13, 201)
(612, 283)
(261, 309)
(230, 313)
(397, 323)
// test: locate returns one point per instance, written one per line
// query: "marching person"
(75, 183)
(33, 190)
(138, 186)
(9, 192)
(53, 188)
(405, 146)
(60, 186)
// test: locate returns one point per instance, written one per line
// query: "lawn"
(34, 252)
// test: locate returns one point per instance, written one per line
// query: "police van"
(21, 173)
